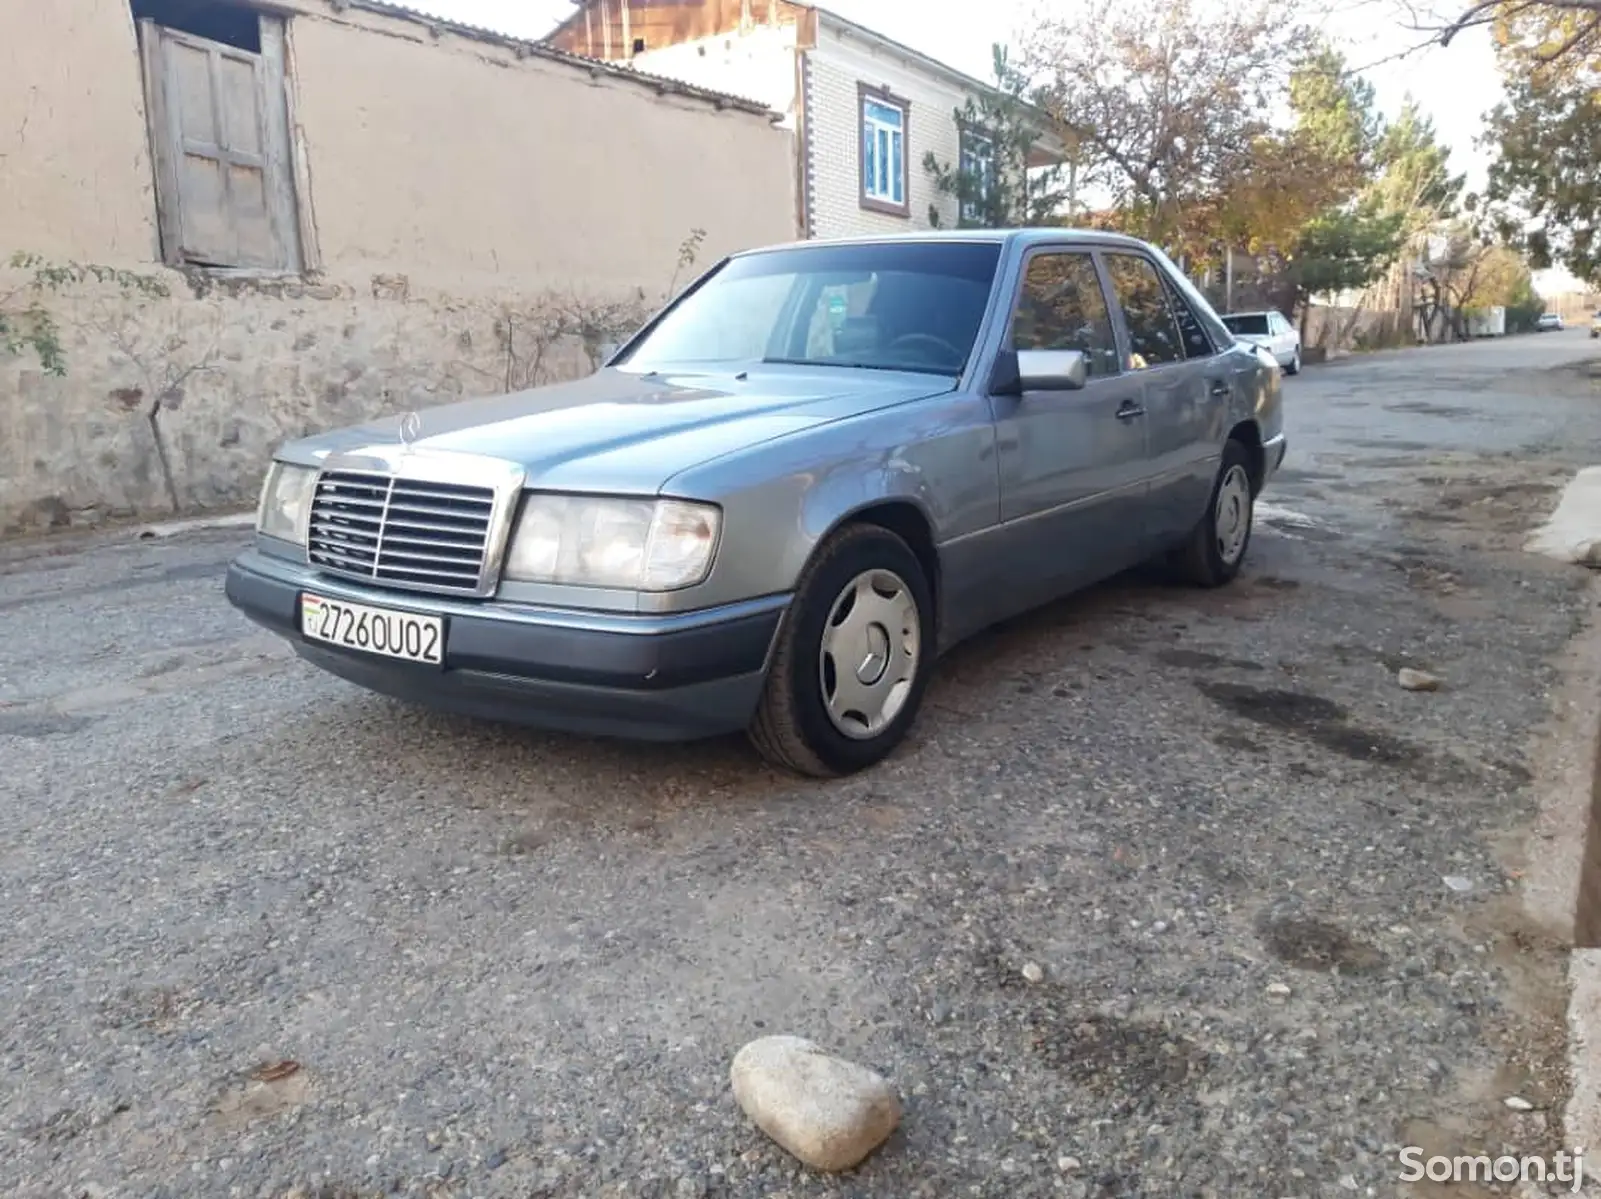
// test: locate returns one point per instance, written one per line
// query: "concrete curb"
(176, 528)
(1581, 1118)
(1565, 759)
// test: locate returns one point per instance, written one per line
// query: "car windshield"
(1256, 324)
(908, 306)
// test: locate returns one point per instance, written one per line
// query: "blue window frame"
(884, 153)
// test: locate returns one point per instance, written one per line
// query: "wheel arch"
(908, 520)
(1249, 434)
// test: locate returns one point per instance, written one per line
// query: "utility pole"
(1228, 277)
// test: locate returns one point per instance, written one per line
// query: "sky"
(1454, 85)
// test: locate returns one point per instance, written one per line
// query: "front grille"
(402, 532)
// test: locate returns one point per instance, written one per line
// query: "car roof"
(1252, 312)
(1026, 237)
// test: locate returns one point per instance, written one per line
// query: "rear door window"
(1153, 329)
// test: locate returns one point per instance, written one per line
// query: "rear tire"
(852, 660)
(1216, 548)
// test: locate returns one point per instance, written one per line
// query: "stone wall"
(175, 404)
(459, 196)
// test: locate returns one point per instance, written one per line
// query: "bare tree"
(1545, 33)
(1166, 100)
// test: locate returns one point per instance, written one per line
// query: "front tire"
(852, 660)
(1295, 363)
(1216, 547)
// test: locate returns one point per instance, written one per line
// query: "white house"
(865, 109)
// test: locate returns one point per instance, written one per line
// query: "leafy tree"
(1337, 123)
(1319, 163)
(1414, 176)
(1548, 165)
(1505, 281)
(1168, 101)
(1343, 249)
(1555, 34)
(1304, 207)
(995, 188)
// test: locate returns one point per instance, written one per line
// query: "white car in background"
(1272, 332)
(1548, 322)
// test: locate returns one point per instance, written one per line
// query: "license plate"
(383, 631)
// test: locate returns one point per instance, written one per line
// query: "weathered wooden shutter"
(222, 173)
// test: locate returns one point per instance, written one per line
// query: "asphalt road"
(263, 931)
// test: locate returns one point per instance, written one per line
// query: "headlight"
(591, 541)
(285, 507)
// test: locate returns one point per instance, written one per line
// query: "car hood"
(617, 431)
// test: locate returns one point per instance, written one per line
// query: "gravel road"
(265, 934)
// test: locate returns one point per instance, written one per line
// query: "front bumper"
(647, 677)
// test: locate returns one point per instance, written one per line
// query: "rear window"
(1246, 324)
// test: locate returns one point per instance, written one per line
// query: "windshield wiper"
(859, 366)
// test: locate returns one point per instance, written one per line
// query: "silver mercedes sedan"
(816, 470)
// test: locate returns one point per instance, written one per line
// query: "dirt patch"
(1528, 1033)
(1238, 743)
(1395, 447)
(1195, 659)
(1113, 1057)
(157, 1009)
(256, 1099)
(1318, 945)
(1424, 408)
(1426, 574)
(35, 725)
(1327, 725)
(1477, 494)
(1273, 583)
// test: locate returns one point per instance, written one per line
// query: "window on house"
(978, 169)
(216, 108)
(884, 152)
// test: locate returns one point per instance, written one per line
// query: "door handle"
(1220, 388)
(1128, 410)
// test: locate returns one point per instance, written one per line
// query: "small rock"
(1278, 989)
(1458, 882)
(1416, 680)
(828, 1112)
(1068, 1164)
(689, 1187)
(1033, 972)
(1518, 1104)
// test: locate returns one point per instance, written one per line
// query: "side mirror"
(1052, 370)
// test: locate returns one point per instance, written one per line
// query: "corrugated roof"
(526, 48)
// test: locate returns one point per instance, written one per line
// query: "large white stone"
(828, 1112)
